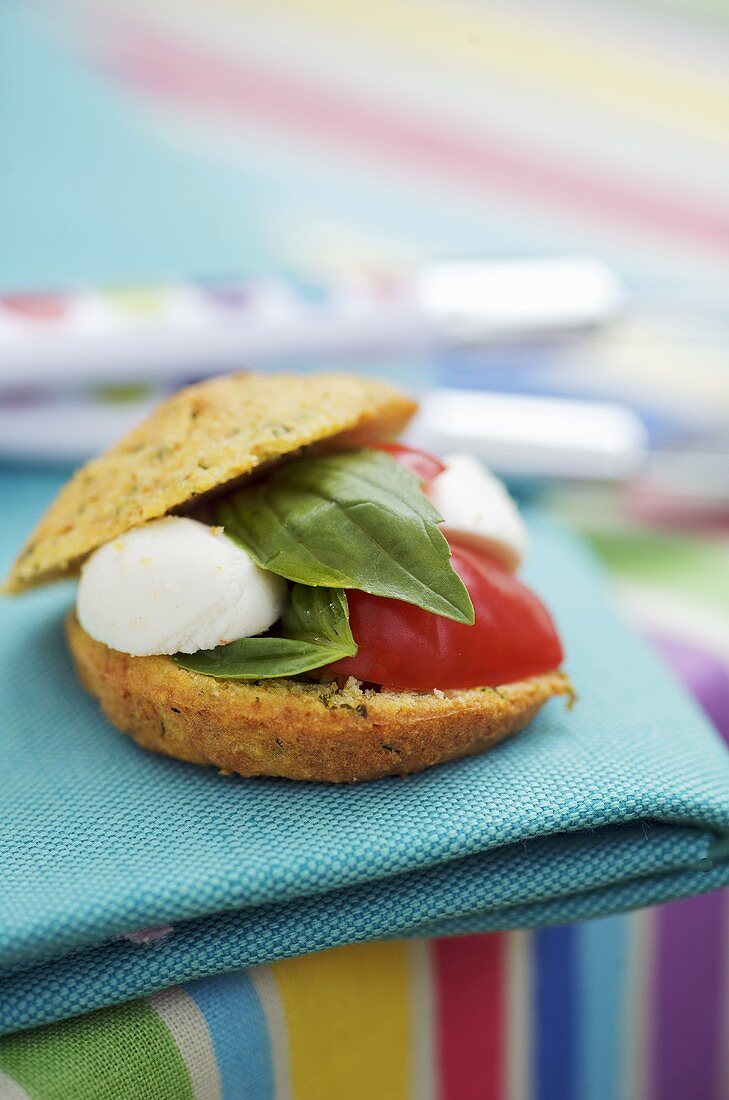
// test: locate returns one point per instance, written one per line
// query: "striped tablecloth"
(238, 137)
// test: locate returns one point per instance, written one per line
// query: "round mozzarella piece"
(175, 586)
(476, 506)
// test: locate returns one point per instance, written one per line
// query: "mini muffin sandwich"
(269, 585)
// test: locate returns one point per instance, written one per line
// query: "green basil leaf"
(319, 616)
(350, 519)
(314, 631)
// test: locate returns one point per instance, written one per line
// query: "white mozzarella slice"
(175, 586)
(476, 505)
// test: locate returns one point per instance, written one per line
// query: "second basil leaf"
(314, 631)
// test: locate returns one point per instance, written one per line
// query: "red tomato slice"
(405, 647)
(423, 465)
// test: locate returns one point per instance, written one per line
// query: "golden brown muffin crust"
(295, 729)
(197, 441)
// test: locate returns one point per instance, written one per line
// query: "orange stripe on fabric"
(348, 1016)
(471, 1016)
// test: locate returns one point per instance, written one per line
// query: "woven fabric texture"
(621, 802)
(629, 1005)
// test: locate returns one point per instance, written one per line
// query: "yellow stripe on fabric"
(349, 1022)
(140, 301)
(536, 52)
(111, 1053)
(186, 1024)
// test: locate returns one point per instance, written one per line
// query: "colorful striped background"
(399, 128)
(588, 1012)
(590, 125)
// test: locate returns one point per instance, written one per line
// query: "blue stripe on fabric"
(601, 971)
(555, 1013)
(239, 1034)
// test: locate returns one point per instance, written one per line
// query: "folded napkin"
(621, 802)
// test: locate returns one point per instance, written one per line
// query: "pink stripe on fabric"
(168, 69)
(470, 975)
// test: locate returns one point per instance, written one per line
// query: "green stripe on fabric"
(697, 566)
(124, 1051)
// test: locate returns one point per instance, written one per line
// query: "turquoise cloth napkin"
(623, 801)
